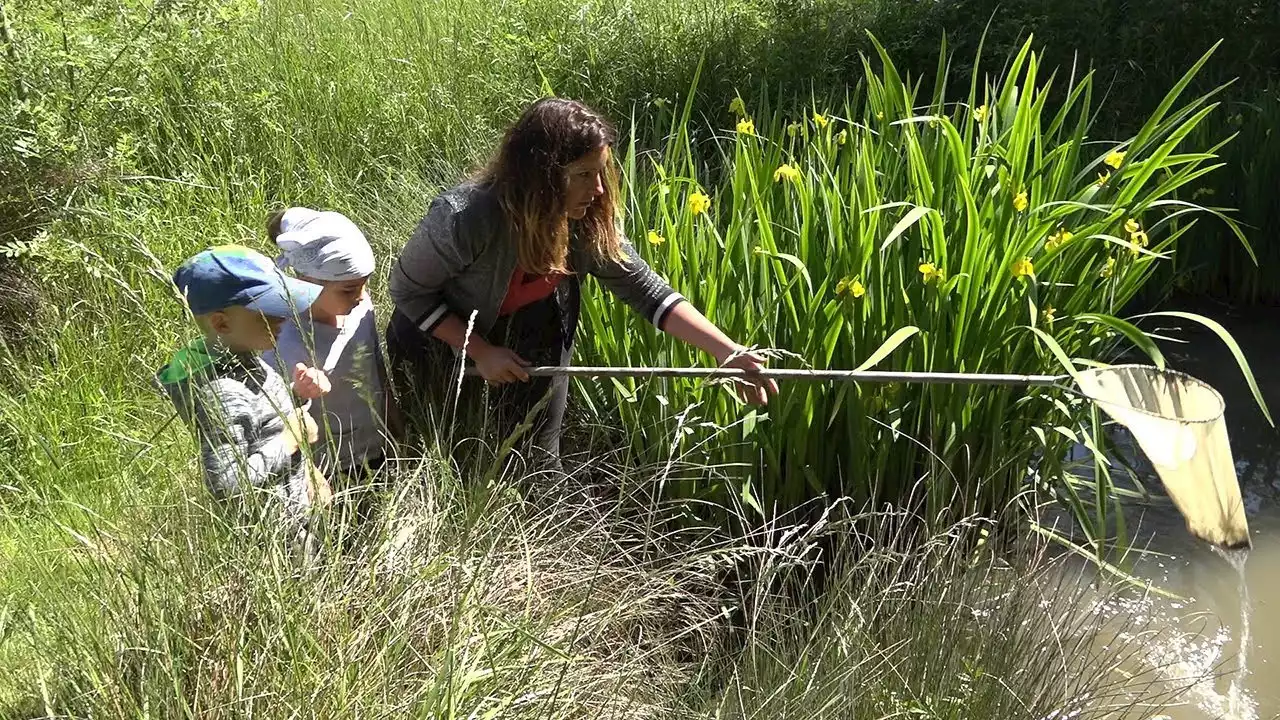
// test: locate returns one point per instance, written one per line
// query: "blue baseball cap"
(227, 275)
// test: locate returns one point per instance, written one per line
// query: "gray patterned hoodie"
(237, 404)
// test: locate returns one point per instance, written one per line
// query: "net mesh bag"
(1178, 422)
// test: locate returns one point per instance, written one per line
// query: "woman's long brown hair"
(528, 175)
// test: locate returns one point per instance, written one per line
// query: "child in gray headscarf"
(358, 418)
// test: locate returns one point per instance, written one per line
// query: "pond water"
(1231, 601)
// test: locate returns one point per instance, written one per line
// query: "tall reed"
(989, 233)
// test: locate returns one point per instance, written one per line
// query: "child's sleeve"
(224, 416)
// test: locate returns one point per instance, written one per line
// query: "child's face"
(245, 330)
(339, 297)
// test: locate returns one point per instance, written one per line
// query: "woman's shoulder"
(469, 209)
(471, 198)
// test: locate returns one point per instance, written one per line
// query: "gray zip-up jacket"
(236, 404)
(461, 256)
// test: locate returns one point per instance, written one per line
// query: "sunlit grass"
(476, 603)
(124, 596)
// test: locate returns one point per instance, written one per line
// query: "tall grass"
(481, 605)
(219, 110)
(285, 94)
(124, 596)
(985, 233)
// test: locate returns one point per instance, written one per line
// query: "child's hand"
(309, 426)
(299, 426)
(318, 490)
(310, 383)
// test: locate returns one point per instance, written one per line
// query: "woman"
(503, 252)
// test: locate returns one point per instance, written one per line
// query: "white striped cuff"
(661, 313)
(433, 317)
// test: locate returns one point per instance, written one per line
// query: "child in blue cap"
(251, 429)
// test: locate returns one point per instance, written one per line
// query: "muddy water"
(1220, 651)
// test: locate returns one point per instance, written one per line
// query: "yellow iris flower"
(930, 272)
(786, 172)
(1023, 268)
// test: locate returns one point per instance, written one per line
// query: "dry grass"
(484, 603)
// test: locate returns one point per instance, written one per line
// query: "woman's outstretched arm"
(686, 323)
(634, 282)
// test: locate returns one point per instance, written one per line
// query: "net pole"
(863, 376)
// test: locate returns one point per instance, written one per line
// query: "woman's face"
(585, 182)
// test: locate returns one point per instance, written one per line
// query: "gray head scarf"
(323, 245)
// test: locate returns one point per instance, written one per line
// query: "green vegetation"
(137, 132)
(1138, 48)
(1253, 157)
(271, 92)
(990, 235)
(486, 606)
